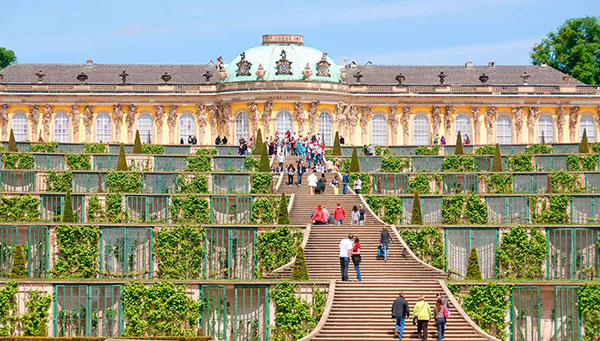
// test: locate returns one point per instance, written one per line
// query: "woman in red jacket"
(318, 216)
(339, 214)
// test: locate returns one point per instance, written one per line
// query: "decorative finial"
(124, 76)
(483, 78)
(400, 78)
(525, 77)
(307, 72)
(82, 77)
(442, 77)
(207, 75)
(40, 75)
(260, 73)
(166, 77)
(358, 76)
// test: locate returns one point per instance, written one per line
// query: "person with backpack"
(421, 316)
(355, 215)
(345, 182)
(440, 314)
(400, 312)
(384, 241)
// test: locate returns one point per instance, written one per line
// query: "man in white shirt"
(313, 181)
(345, 251)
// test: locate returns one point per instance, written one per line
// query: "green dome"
(268, 56)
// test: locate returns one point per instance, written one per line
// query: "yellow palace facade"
(283, 85)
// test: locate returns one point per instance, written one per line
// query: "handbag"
(446, 312)
(356, 260)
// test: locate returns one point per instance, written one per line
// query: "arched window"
(61, 127)
(187, 127)
(504, 129)
(283, 122)
(421, 130)
(546, 129)
(242, 126)
(378, 130)
(588, 124)
(325, 128)
(146, 127)
(20, 126)
(103, 128)
(462, 123)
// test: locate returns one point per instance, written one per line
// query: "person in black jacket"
(400, 312)
(384, 241)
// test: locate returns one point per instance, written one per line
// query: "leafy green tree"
(354, 165)
(12, 143)
(300, 270)
(18, 269)
(416, 217)
(459, 150)
(259, 143)
(68, 216)
(264, 164)
(584, 146)
(122, 161)
(283, 218)
(497, 161)
(137, 144)
(572, 49)
(337, 148)
(473, 270)
(7, 57)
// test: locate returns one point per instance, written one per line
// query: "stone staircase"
(362, 310)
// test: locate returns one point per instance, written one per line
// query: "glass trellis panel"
(226, 210)
(325, 128)
(573, 253)
(550, 162)
(251, 313)
(421, 130)
(76, 148)
(70, 310)
(158, 183)
(459, 243)
(431, 209)
(461, 183)
(565, 148)
(114, 149)
(126, 252)
(48, 161)
(369, 164)
(450, 149)
(592, 182)
(525, 314)
(567, 321)
(103, 128)
(20, 127)
(147, 208)
(229, 163)
(169, 163)
(230, 183)
(242, 126)
(105, 162)
(177, 149)
(227, 150)
(545, 129)
(243, 210)
(230, 253)
(585, 210)
(106, 312)
(17, 181)
(215, 312)
(347, 151)
(38, 252)
(503, 129)
(512, 148)
(403, 150)
(503, 210)
(9, 237)
(89, 182)
(587, 123)
(379, 130)
(530, 183)
(52, 207)
(433, 163)
(390, 183)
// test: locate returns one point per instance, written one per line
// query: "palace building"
(284, 85)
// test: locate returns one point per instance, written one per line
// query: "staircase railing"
(325, 315)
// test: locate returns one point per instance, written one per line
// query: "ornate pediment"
(323, 66)
(284, 66)
(243, 66)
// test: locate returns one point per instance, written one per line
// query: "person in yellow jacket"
(422, 315)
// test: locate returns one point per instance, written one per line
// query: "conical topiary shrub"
(12, 143)
(283, 218)
(137, 144)
(416, 216)
(264, 164)
(68, 216)
(18, 269)
(584, 146)
(354, 165)
(459, 146)
(497, 161)
(473, 270)
(122, 161)
(300, 270)
(259, 143)
(337, 148)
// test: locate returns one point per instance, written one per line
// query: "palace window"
(588, 124)
(20, 126)
(242, 126)
(61, 127)
(187, 127)
(462, 123)
(103, 128)
(504, 130)
(146, 127)
(379, 130)
(325, 128)
(421, 130)
(546, 129)
(283, 122)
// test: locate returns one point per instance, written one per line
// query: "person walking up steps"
(345, 182)
(313, 181)
(339, 214)
(357, 185)
(345, 252)
(290, 173)
(422, 314)
(361, 214)
(356, 258)
(354, 215)
(440, 313)
(400, 312)
(384, 241)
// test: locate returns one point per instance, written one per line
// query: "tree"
(354, 165)
(137, 144)
(12, 143)
(283, 218)
(473, 270)
(259, 143)
(68, 216)
(264, 165)
(416, 216)
(122, 161)
(497, 162)
(572, 49)
(459, 146)
(300, 270)
(7, 57)
(18, 269)
(337, 148)
(584, 146)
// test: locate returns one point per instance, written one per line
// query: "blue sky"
(196, 31)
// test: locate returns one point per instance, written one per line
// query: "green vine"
(485, 150)
(18, 161)
(522, 254)
(294, 317)
(47, 147)
(394, 164)
(265, 210)
(458, 163)
(179, 252)
(114, 208)
(35, 319)
(19, 209)
(421, 183)
(153, 149)
(8, 309)
(190, 209)
(549, 211)
(392, 210)
(452, 209)
(260, 182)
(251, 164)
(564, 182)
(276, 247)
(77, 251)
(499, 183)
(375, 203)
(476, 211)
(197, 183)
(538, 149)
(487, 305)
(79, 162)
(424, 150)
(427, 243)
(520, 162)
(59, 182)
(124, 182)
(199, 163)
(95, 213)
(577, 162)
(94, 148)
(588, 298)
